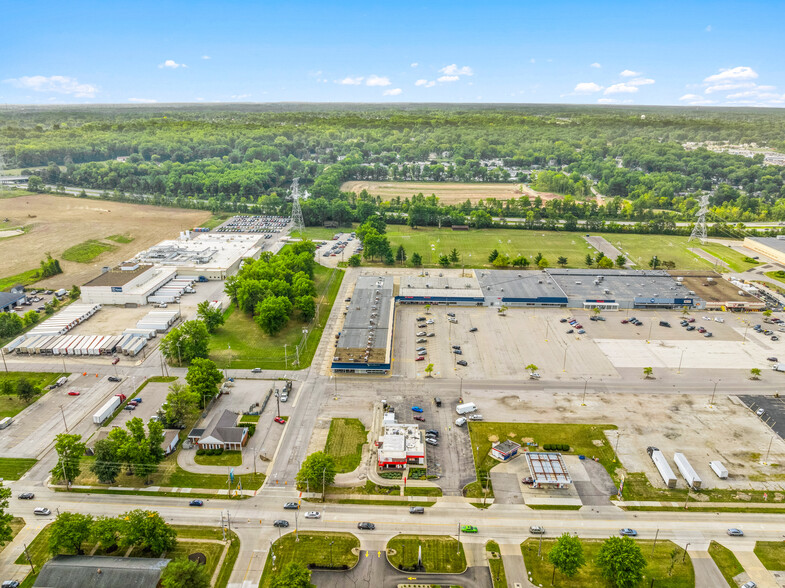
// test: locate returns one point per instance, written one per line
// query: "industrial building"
(427, 289)
(79, 571)
(365, 342)
(130, 283)
(520, 288)
(716, 293)
(548, 470)
(213, 256)
(9, 300)
(773, 247)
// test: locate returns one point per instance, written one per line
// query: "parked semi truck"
(686, 470)
(662, 466)
(107, 409)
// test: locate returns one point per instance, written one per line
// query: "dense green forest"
(233, 157)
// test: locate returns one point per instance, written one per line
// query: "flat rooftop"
(117, 276)
(548, 468)
(773, 242)
(368, 323)
(620, 284)
(433, 286)
(512, 284)
(207, 250)
(712, 287)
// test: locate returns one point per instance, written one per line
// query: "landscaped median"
(667, 565)
(496, 564)
(771, 554)
(727, 563)
(313, 550)
(441, 554)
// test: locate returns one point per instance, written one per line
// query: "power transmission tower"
(2, 167)
(297, 212)
(699, 230)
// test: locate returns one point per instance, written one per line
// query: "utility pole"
(29, 559)
(683, 557)
(655, 542)
(585, 385)
(324, 471)
(286, 355)
(769, 449)
(223, 528)
(6, 365)
(278, 402)
(711, 402)
(63, 413)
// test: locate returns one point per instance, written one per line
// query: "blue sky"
(105, 51)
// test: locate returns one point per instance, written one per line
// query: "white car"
(313, 514)
(460, 421)
(421, 349)
(422, 334)
(719, 320)
(475, 417)
(706, 318)
(429, 322)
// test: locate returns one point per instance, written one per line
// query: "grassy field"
(727, 563)
(216, 220)
(641, 248)
(345, 443)
(16, 525)
(658, 569)
(25, 278)
(227, 458)
(241, 344)
(122, 239)
(440, 553)
(771, 554)
(497, 566)
(86, 251)
(734, 259)
(369, 488)
(447, 192)
(417, 491)
(11, 405)
(13, 468)
(579, 437)
(313, 548)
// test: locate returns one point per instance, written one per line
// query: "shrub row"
(209, 451)
(556, 447)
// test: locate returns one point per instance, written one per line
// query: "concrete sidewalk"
(707, 574)
(514, 566)
(754, 568)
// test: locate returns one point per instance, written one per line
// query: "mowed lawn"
(10, 404)
(641, 248)
(87, 251)
(13, 468)
(312, 548)
(658, 568)
(771, 554)
(241, 344)
(345, 442)
(727, 563)
(440, 553)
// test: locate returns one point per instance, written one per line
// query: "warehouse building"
(129, 283)
(364, 345)
(717, 293)
(431, 289)
(520, 288)
(9, 300)
(773, 247)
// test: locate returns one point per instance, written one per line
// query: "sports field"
(447, 192)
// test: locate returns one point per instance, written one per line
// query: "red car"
(624, 321)
(690, 320)
(420, 358)
(419, 418)
(279, 420)
(115, 360)
(73, 393)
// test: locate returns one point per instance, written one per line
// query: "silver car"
(313, 514)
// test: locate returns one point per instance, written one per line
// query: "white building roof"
(548, 468)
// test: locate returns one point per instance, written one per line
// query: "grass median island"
(345, 443)
(226, 458)
(727, 563)
(312, 549)
(420, 491)
(369, 488)
(658, 569)
(771, 554)
(87, 251)
(241, 344)
(496, 564)
(441, 554)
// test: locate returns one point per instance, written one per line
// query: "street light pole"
(63, 413)
(278, 402)
(683, 557)
(711, 402)
(585, 385)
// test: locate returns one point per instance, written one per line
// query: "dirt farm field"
(57, 223)
(447, 192)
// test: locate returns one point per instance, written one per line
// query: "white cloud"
(143, 100)
(587, 88)
(622, 88)
(454, 70)
(448, 79)
(425, 83)
(696, 100)
(206, 57)
(415, 64)
(760, 95)
(393, 92)
(171, 64)
(240, 96)
(378, 81)
(640, 82)
(350, 81)
(596, 65)
(691, 97)
(57, 84)
(613, 101)
(532, 60)
(729, 86)
(734, 73)
(628, 73)
(708, 28)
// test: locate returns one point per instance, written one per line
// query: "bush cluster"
(201, 451)
(556, 447)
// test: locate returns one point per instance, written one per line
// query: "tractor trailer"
(107, 409)
(686, 470)
(662, 466)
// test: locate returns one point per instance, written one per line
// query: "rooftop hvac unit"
(606, 291)
(489, 287)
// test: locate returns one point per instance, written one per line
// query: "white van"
(466, 408)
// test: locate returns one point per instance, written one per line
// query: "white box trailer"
(719, 469)
(146, 333)
(666, 473)
(95, 345)
(687, 471)
(466, 408)
(160, 299)
(137, 346)
(107, 409)
(71, 349)
(778, 367)
(13, 345)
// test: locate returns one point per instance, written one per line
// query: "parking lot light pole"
(278, 402)
(683, 557)
(585, 385)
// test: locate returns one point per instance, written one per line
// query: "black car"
(452, 314)
(291, 506)
(196, 502)
(473, 330)
(280, 523)
(457, 352)
(564, 320)
(432, 432)
(366, 526)
(114, 379)
(462, 362)
(26, 496)
(456, 346)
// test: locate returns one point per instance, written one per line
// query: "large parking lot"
(341, 248)
(503, 345)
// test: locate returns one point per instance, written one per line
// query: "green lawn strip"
(658, 568)
(371, 502)
(497, 565)
(637, 487)
(641, 248)
(38, 549)
(24, 278)
(249, 418)
(241, 344)
(369, 488)
(694, 506)
(480, 505)
(87, 251)
(227, 458)
(345, 443)
(229, 561)
(13, 468)
(441, 554)
(123, 239)
(11, 405)
(736, 261)
(555, 506)
(418, 491)
(184, 495)
(580, 438)
(182, 479)
(216, 220)
(16, 525)
(771, 554)
(727, 563)
(312, 548)
(778, 275)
